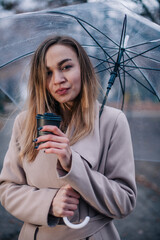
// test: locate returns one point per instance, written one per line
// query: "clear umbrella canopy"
(98, 27)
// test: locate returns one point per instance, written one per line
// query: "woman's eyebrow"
(63, 61)
(60, 63)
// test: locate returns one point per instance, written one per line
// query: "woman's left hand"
(57, 143)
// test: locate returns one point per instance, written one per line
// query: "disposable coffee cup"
(47, 119)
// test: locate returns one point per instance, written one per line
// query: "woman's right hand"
(65, 202)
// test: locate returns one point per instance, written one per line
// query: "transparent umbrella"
(123, 47)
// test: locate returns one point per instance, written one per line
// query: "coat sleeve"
(21, 200)
(114, 192)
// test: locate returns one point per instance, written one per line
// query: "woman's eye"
(49, 73)
(66, 67)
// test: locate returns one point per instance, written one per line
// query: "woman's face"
(63, 73)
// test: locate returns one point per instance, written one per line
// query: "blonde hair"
(80, 118)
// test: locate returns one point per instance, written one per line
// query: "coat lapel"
(89, 146)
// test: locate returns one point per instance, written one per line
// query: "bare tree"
(19, 6)
(150, 9)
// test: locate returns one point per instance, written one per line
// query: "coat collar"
(89, 146)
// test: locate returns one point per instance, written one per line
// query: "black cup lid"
(49, 116)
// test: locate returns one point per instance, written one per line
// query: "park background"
(144, 222)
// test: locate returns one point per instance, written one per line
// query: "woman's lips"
(62, 91)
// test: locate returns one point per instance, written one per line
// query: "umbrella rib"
(141, 54)
(99, 59)
(143, 43)
(9, 97)
(101, 63)
(140, 83)
(16, 59)
(94, 39)
(150, 58)
(147, 80)
(104, 61)
(145, 68)
(105, 69)
(110, 67)
(91, 45)
(77, 18)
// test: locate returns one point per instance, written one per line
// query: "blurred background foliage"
(149, 9)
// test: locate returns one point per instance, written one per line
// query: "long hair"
(80, 117)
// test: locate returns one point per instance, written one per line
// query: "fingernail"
(35, 140)
(36, 147)
(40, 128)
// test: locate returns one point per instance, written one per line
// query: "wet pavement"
(144, 221)
(142, 224)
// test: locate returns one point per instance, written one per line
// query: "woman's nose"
(58, 77)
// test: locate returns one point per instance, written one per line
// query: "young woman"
(85, 167)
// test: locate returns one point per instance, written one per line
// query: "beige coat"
(27, 189)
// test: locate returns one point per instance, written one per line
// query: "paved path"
(144, 222)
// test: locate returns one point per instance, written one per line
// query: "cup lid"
(49, 116)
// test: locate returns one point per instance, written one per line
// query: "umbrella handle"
(76, 226)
